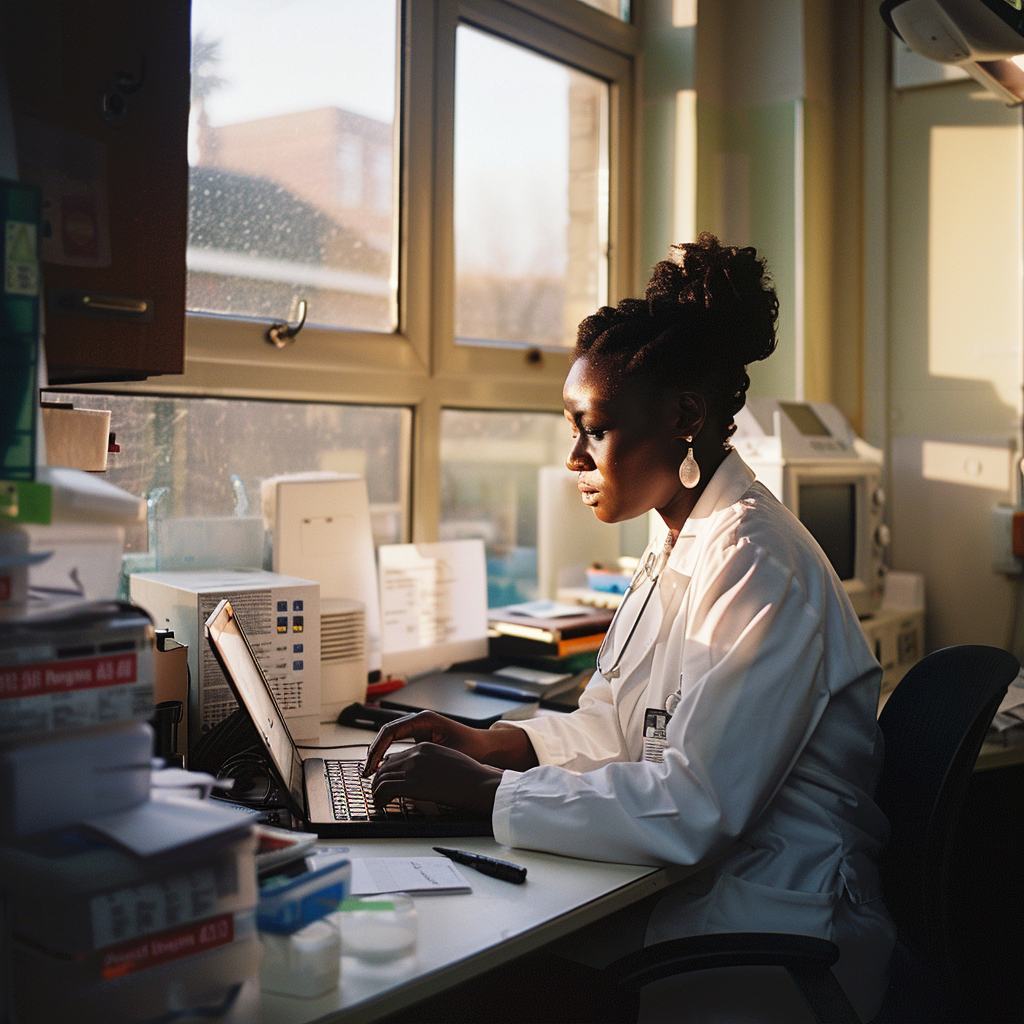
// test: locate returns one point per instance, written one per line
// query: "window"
(325, 169)
(616, 8)
(531, 194)
(211, 453)
(381, 177)
(350, 171)
(490, 487)
(286, 96)
(489, 465)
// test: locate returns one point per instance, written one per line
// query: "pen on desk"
(486, 689)
(486, 865)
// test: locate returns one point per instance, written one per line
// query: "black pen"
(486, 865)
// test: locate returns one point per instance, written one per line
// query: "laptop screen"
(254, 694)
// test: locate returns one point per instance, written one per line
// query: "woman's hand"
(500, 748)
(432, 772)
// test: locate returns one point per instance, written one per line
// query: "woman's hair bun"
(709, 310)
(724, 286)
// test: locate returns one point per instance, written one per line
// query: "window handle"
(284, 334)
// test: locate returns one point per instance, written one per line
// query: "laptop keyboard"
(352, 799)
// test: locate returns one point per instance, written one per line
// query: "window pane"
(193, 446)
(489, 464)
(292, 160)
(531, 194)
(616, 8)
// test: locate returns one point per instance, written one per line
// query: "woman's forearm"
(509, 748)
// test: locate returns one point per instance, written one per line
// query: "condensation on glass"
(489, 475)
(193, 447)
(531, 194)
(292, 160)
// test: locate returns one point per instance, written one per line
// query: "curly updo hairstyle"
(710, 309)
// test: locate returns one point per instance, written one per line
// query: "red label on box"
(5, 588)
(64, 676)
(139, 954)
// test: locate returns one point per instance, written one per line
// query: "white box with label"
(281, 618)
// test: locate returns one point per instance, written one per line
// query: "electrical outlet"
(1007, 540)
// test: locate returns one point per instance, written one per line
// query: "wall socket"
(1007, 540)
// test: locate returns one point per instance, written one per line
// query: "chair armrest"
(808, 960)
(723, 949)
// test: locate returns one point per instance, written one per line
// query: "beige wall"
(895, 234)
(779, 140)
(954, 319)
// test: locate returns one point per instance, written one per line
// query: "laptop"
(330, 796)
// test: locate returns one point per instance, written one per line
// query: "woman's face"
(625, 448)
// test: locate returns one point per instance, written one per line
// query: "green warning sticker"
(21, 264)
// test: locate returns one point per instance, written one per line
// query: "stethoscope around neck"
(653, 567)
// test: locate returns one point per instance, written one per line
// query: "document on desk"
(418, 876)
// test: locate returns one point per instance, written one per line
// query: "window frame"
(420, 365)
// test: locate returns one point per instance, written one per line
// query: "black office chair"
(934, 724)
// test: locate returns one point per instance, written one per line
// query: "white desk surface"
(995, 755)
(461, 936)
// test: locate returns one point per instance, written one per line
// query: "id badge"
(655, 725)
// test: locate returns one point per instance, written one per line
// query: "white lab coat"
(772, 754)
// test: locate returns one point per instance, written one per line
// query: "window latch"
(284, 334)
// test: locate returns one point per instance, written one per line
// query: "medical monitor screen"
(805, 419)
(829, 511)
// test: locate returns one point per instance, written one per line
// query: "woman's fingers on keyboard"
(417, 726)
(437, 773)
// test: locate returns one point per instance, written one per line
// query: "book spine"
(579, 644)
(545, 636)
(514, 646)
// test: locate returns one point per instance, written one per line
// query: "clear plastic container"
(379, 929)
(306, 963)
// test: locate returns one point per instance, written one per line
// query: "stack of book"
(547, 634)
(117, 907)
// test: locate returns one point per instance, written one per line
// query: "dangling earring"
(689, 471)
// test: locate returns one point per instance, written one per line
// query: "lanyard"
(651, 570)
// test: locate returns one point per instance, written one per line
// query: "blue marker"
(486, 689)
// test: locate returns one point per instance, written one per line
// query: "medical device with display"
(808, 456)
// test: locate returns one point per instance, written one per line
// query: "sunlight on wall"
(685, 206)
(974, 256)
(972, 465)
(684, 13)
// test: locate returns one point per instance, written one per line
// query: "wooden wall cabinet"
(100, 96)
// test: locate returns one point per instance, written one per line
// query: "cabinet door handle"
(116, 303)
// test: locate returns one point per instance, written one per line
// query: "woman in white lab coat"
(731, 719)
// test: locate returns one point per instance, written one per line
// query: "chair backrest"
(934, 724)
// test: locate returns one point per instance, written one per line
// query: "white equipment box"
(319, 524)
(281, 618)
(896, 639)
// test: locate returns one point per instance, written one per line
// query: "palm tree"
(205, 81)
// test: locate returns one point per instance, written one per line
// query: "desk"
(461, 936)
(995, 755)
